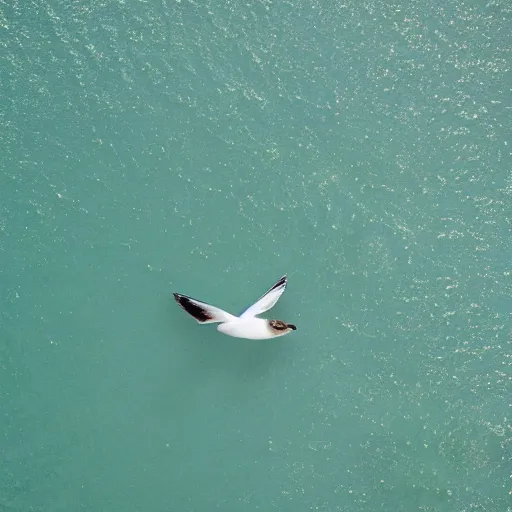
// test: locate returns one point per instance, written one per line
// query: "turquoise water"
(207, 148)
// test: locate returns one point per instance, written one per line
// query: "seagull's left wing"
(267, 300)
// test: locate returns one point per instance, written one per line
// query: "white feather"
(267, 300)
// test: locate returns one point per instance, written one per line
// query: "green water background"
(363, 148)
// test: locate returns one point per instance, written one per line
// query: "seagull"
(247, 325)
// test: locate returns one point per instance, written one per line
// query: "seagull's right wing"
(267, 300)
(202, 312)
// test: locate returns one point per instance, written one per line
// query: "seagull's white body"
(249, 328)
(247, 325)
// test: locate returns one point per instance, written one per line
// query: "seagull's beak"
(292, 327)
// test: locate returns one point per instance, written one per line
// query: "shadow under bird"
(247, 325)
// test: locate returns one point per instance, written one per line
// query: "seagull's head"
(279, 327)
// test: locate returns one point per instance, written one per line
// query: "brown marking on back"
(278, 325)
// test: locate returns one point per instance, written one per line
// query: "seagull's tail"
(202, 312)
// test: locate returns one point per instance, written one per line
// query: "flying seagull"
(247, 325)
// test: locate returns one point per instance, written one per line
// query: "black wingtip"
(192, 307)
(281, 281)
